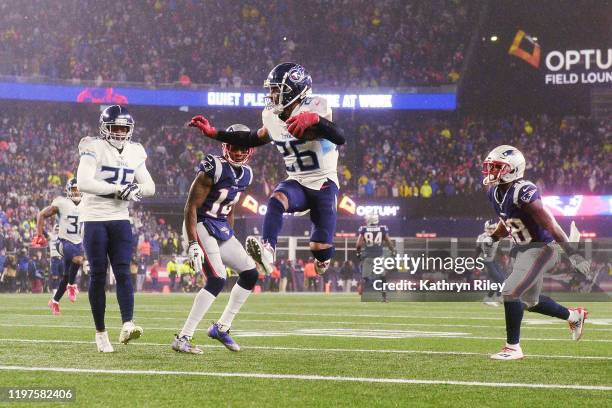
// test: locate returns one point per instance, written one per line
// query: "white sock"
(237, 298)
(202, 302)
(573, 316)
(516, 346)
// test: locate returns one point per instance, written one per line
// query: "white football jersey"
(69, 220)
(309, 162)
(492, 252)
(54, 239)
(112, 167)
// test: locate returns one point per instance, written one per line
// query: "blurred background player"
(534, 231)
(111, 173)
(369, 246)
(208, 227)
(300, 127)
(57, 266)
(488, 252)
(69, 240)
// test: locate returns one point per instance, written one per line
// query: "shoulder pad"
(249, 170)
(57, 201)
(318, 105)
(88, 146)
(211, 166)
(524, 193)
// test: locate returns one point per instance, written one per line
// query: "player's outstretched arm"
(86, 181)
(548, 222)
(47, 212)
(238, 138)
(145, 181)
(197, 194)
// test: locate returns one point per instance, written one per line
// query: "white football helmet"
(371, 219)
(503, 165)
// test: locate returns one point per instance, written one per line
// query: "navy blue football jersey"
(229, 183)
(508, 206)
(373, 236)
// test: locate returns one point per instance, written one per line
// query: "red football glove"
(296, 125)
(204, 125)
(39, 240)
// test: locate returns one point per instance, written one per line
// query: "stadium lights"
(494, 38)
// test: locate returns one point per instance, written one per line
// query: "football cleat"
(183, 344)
(509, 352)
(103, 343)
(321, 267)
(55, 307)
(72, 292)
(224, 337)
(490, 301)
(577, 327)
(129, 332)
(262, 253)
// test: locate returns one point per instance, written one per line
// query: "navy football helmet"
(287, 83)
(72, 192)
(235, 155)
(116, 126)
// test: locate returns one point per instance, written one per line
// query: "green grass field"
(307, 350)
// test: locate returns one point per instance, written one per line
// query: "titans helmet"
(286, 83)
(72, 192)
(237, 155)
(114, 119)
(504, 164)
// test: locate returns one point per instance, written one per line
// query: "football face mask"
(237, 156)
(494, 171)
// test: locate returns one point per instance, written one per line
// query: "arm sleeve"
(240, 138)
(86, 181)
(330, 131)
(145, 181)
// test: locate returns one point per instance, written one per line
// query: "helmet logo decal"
(507, 153)
(297, 74)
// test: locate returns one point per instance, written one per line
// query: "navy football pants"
(106, 241)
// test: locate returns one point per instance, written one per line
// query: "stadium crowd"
(369, 44)
(385, 159)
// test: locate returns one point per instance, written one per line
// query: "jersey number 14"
(220, 209)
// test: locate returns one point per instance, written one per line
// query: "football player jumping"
(111, 173)
(300, 127)
(69, 242)
(209, 220)
(534, 232)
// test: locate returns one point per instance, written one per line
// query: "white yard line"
(313, 332)
(317, 350)
(526, 325)
(307, 378)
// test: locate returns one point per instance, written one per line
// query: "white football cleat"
(103, 343)
(576, 328)
(129, 331)
(321, 267)
(490, 301)
(261, 252)
(509, 352)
